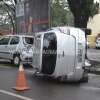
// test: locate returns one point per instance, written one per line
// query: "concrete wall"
(94, 24)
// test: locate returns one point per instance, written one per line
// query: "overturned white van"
(60, 53)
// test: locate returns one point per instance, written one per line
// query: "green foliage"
(60, 14)
(94, 9)
(7, 10)
(82, 11)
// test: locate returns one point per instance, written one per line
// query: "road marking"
(15, 95)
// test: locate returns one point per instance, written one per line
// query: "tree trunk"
(11, 16)
(11, 19)
(80, 21)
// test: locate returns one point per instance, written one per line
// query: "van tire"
(16, 60)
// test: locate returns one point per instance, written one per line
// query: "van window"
(4, 41)
(14, 41)
(29, 40)
(49, 53)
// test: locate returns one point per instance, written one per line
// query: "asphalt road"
(46, 88)
(94, 54)
(94, 57)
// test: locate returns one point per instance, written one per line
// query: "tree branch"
(15, 1)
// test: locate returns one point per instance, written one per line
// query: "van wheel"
(16, 60)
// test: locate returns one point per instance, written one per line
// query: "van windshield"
(29, 40)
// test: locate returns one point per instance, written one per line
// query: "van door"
(49, 53)
(66, 59)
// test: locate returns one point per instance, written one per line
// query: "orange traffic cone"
(21, 83)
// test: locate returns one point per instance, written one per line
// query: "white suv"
(98, 42)
(17, 48)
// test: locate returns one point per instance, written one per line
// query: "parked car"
(17, 48)
(98, 42)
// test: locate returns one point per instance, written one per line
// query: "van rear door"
(66, 56)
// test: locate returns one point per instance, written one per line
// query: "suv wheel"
(16, 60)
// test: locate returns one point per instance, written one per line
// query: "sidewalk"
(94, 58)
(95, 67)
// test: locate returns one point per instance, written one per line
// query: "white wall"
(94, 24)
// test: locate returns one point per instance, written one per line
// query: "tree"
(8, 8)
(82, 10)
(60, 14)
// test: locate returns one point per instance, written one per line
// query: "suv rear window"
(29, 40)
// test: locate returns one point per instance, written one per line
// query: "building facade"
(94, 23)
(32, 16)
